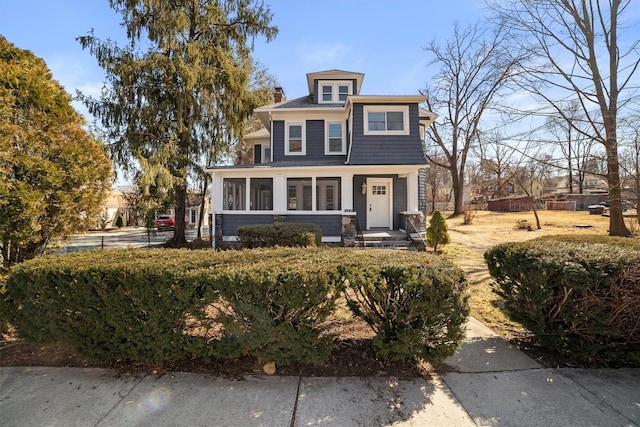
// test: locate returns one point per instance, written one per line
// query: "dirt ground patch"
(353, 355)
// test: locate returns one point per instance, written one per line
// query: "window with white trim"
(261, 192)
(335, 141)
(294, 139)
(234, 192)
(334, 91)
(299, 195)
(328, 194)
(386, 120)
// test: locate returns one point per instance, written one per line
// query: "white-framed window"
(335, 141)
(328, 194)
(261, 194)
(334, 91)
(386, 120)
(294, 139)
(299, 194)
(234, 191)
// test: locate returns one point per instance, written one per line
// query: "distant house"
(333, 157)
(591, 184)
(114, 206)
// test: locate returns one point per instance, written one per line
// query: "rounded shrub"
(416, 304)
(289, 234)
(581, 298)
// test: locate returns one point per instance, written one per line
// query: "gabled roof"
(335, 75)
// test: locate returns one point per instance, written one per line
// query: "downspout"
(350, 132)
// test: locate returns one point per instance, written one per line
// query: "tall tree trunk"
(205, 184)
(179, 235)
(457, 186)
(617, 227)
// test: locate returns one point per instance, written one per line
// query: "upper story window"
(295, 139)
(334, 92)
(335, 141)
(386, 120)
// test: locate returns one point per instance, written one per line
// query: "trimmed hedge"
(158, 305)
(574, 297)
(291, 234)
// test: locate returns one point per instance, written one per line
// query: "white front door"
(379, 207)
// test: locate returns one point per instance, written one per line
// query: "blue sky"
(383, 39)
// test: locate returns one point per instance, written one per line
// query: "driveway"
(126, 237)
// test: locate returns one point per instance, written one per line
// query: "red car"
(165, 222)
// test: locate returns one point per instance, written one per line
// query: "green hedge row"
(156, 305)
(576, 297)
(285, 234)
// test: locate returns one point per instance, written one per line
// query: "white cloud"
(319, 54)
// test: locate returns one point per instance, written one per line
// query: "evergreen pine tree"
(437, 232)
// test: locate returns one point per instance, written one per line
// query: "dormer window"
(334, 92)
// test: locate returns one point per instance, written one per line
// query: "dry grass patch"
(470, 241)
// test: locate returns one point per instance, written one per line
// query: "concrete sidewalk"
(490, 383)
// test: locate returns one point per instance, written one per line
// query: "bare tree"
(630, 156)
(475, 66)
(438, 184)
(580, 57)
(531, 165)
(495, 159)
(575, 146)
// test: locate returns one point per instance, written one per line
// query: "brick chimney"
(278, 94)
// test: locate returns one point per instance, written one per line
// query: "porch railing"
(416, 231)
(359, 234)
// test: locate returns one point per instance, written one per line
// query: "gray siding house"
(334, 157)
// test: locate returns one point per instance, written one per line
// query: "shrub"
(417, 306)
(160, 305)
(129, 306)
(119, 222)
(279, 234)
(469, 215)
(437, 232)
(575, 297)
(271, 309)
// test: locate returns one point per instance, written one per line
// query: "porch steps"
(391, 241)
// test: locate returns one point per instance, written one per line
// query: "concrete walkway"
(490, 383)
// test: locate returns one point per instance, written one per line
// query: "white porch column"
(347, 192)
(216, 193)
(412, 192)
(279, 195)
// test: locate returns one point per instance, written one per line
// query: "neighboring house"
(335, 158)
(501, 189)
(114, 206)
(194, 207)
(592, 184)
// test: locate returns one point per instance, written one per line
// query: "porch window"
(299, 196)
(328, 194)
(335, 140)
(234, 192)
(295, 144)
(261, 194)
(386, 120)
